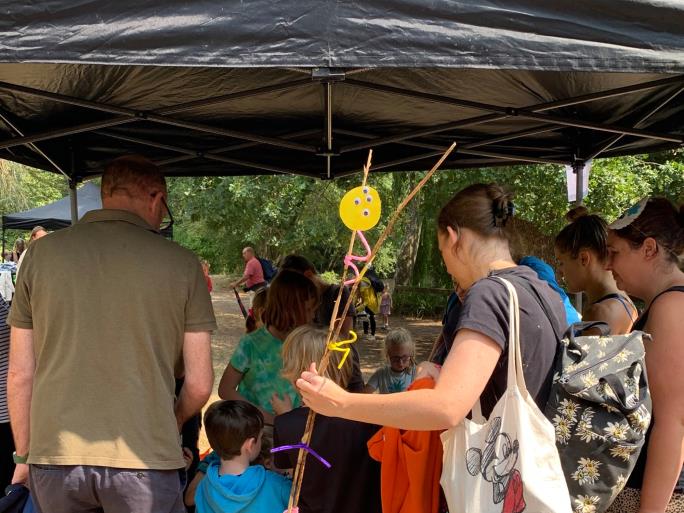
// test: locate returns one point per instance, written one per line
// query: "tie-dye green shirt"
(258, 357)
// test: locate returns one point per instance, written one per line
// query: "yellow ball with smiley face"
(360, 208)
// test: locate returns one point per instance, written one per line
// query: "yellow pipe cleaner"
(337, 346)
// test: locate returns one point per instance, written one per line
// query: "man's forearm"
(239, 282)
(20, 387)
(19, 402)
(189, 404)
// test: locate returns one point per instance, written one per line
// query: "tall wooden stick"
(308, 430)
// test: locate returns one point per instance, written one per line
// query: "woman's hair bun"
(577, 212)
(502, 205)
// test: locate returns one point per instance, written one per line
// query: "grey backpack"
(600, 407)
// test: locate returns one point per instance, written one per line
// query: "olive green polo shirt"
(109, 301)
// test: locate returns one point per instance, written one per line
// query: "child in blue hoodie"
(234, 430)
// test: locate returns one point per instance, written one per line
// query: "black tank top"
(637, 477)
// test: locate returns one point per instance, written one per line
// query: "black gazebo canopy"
(306, 87)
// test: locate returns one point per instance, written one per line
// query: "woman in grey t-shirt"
(474, 246)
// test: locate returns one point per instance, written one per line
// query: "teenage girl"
(582, 252)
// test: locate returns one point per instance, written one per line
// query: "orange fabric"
(411, 465)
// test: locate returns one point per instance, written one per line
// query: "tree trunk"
(408, 252)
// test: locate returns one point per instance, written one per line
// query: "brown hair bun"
(576, 213)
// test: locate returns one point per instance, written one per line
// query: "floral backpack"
(600, 407)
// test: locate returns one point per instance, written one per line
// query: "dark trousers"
(371, 320)
(6, 461)
(88, 489)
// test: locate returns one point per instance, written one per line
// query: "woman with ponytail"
(646, 246)
(582, 252)
(473, 243)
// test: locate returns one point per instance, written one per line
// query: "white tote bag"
(509, 462)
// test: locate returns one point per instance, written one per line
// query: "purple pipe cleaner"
(304, 446)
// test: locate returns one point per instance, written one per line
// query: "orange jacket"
(411, 465)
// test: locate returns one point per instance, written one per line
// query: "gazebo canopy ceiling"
(217, 90)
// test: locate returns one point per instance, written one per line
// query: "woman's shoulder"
(667, 308)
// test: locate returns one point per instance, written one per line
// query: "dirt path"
(231, 326)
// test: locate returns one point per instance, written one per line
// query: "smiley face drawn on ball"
(360, 208)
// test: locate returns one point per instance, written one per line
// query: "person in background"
(327, 297)
(6, 441)
(253, 374)
(205, 270)
(646, 246)
(232, 484)
(399, 373)
(37, 233)
(545, 272)
(442, 346)
(19, 248)
(253, 275)
(386, 306)
(368, 299)
(253, 321)
(581, 249)
(352, 484)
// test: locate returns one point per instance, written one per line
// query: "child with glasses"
(401, 371)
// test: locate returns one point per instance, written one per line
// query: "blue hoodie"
(545, 272)
(256, 490)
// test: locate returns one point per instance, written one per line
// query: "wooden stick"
(299, 470)
(310, 419)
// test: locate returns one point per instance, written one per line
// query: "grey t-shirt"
(485, 310)
(386, 381)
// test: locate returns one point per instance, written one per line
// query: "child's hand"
(428, 370)
(187, 457)
(281, 405)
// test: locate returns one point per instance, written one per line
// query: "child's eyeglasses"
(400, 359)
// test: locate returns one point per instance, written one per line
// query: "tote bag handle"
(515, 376)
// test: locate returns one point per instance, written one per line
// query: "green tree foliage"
(23, 188)
(279, 215)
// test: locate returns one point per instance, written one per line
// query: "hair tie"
(502, 212)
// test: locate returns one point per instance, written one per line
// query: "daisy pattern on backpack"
(589, 379)
(568, 409)
(618, 486)
(563, 426)
(640, 419)
(622, 451)
(587, 471)
(586, 504)
(623, 355)
(616, 430)
(584, 427)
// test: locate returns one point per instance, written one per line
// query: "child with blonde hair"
(342, 443)
(401, 370)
